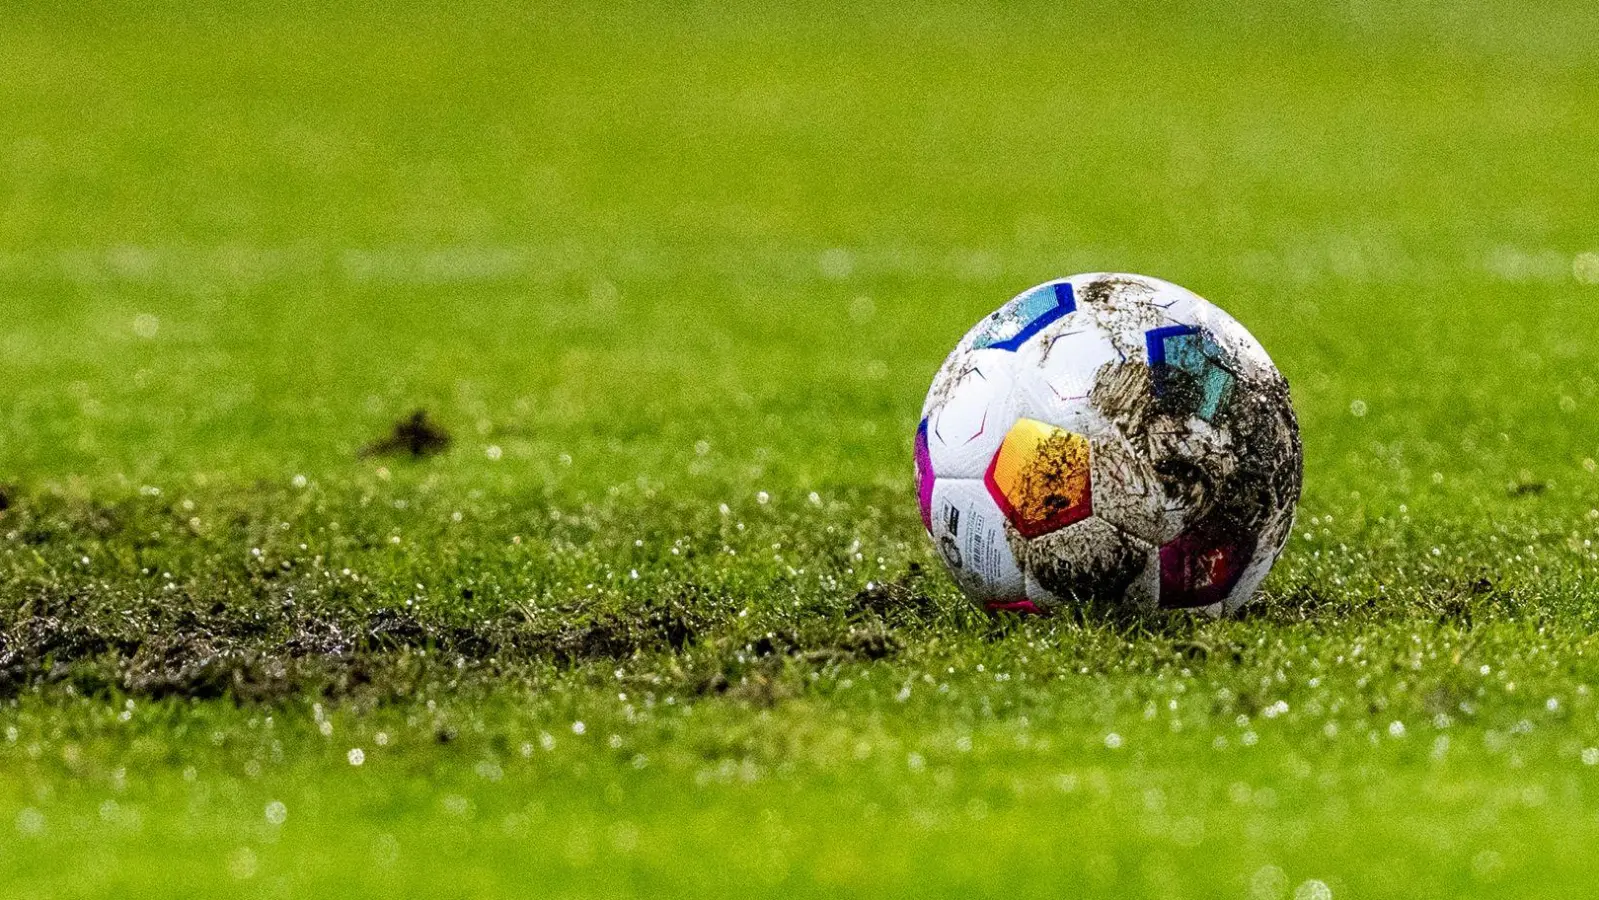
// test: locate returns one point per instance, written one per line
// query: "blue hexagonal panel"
(1012, 324)
(1190, 365)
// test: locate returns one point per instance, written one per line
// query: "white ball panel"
(1126, 308)
(967, 423)
(1260, 565)
(1144, 592)
(1055, 374)
(1174, 301)
(1040, 596)
(951, 365)
(1127, 493)
(969, 532)
(1093, 559)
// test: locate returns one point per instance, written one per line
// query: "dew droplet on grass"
(29, 822)
(242, 864)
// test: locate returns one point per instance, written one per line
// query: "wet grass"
(466, 451)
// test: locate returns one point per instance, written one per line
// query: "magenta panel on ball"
(1199, 570)
(924, 475)
(1026, 607)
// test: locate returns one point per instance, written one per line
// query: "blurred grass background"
(646, 260)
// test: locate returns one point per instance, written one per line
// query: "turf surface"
(660, 618)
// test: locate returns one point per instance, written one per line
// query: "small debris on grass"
(5, 497)
(416, 435)
(871, 643)
(1528, 488)
(900, 598)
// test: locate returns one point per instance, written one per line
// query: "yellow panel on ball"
(1041, 478)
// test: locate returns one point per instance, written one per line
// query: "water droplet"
(1268, 883)
(603, 294)
(385, 850)
(1487, 865)
(276, 813)
(30, 822)
(242, 863)
(1585, 267)
(356, 756)
(835, 264)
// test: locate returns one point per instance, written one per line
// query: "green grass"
(676, 279)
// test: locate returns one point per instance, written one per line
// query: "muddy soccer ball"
(1108, 442)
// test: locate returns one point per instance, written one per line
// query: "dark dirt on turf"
(262, 650)
(416, 436)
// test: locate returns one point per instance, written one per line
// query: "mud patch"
(253, 656)
(416, 436)
(899, 600)
(776, 666)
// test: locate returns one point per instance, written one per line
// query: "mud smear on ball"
(1190, 460)
(1119, 306)
(1237, 477)
(1089, 565)
(1126, 488)
(1265, 488)
(951, 375)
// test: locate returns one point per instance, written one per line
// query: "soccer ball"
(1107, 443)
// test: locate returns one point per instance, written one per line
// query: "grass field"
(661, 619)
